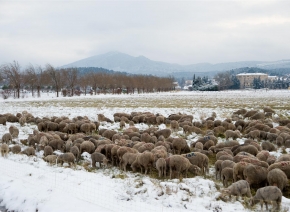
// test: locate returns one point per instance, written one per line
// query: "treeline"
(74, 81)
(228, 79)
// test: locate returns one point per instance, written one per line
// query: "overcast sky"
(188, 32)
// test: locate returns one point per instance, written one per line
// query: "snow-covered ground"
(30, 184)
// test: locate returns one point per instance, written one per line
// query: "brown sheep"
(238, 170)
(7, 138)
(57, 144)
(237, 189)
(174, 126)
(122, 150)
(15, 149)
(87, 146)
(109, 134)
(165, 133)
(199, 145)
(263, 155)
(161, 167)
(256, 162)
(29, 151)
(284, 157)
(144, 160)
(179, 163)
(198, 159)
(267, 194)
(76, 152)
(276, 177)
(52, 126)
(250, 113)
(67, 157)
(226, 174)
(255, 174)
(47, 151)
(145, 137)
(3, 120)
(51, 159)
(266, 145)
(127, 159)
(227, 163)
(246, 148)
(180, 146)
(218, 169)
(100, 158)
(146, 147)
(258, 115)
(283, 165)
(114, 157)
(232, 134)
(102, 118)
(4, 150)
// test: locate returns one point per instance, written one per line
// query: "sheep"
(15, 149)
(283, 165)
(145, 137)
(226, 174)
(22, 121)
(102, 118)
(67, 157)
(232, 134)
(57, 144)
(146, 147)
(276, 177)
(179, 146)
(4, 150)
(48, 151)
(271, 136)
(267, 194)
(127, 159)
(240, 111)
(258, 115)
(255, 174)
(178, 162)
(76, 152)
(174, 125)
(68, 145)
(87, 146)
(72, 128)
(122, 150)
(160, 119)
(263, 155)
(255, 134)
(238, 170)
(122, 124)
(256, 162)
(29, 151)
(223, 152)
(218, 169)
(51, 159)
(165, 132)
(161, 167)
(144, 160)
(266, 145)
(100, 158)
(114, 157)
(43, 142)
(198, 159)
(7, 138)
(246, 148)
(52, 126)
(199, 145)
(237, 189)
(250, 113)
(3, 120)
(108, 134)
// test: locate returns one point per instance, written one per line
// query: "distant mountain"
(118, 61)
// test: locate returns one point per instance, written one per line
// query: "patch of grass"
(121, 176)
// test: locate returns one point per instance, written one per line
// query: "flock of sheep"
(63, 140)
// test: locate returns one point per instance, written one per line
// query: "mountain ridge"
(118, 61)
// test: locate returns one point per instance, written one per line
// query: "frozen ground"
(29, 184)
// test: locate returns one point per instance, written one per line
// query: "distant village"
(225, 80)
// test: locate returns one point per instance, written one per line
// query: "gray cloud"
(60, 32)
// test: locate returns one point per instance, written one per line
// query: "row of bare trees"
(35, 78)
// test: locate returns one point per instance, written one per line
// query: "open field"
(87, 188)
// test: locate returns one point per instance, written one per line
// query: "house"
(247, 79)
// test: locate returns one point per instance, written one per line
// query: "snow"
(30, 184)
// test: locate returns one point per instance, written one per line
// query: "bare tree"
(224, 80)
(12, 72)
(34, 77)
(56, 78)
(71, 78)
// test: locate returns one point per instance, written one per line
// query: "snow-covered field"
(30, 184)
